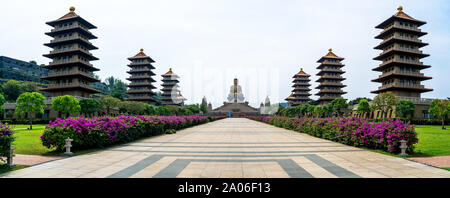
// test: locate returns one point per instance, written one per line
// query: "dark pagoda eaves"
(401, 17)
(393, 51)
(399, 40)
(71, 16)
(399, 29)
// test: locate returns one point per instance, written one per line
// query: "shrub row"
(6, 139)
(105, 131)
(384, 135)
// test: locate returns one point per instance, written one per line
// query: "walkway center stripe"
(331, 167)
(127, 172)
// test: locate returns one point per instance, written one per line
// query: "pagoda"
(171, 95)
(330, 80)
(300, 94)
(140, 88)
(71, 72)
(400, 67)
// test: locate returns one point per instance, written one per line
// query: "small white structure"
(403, 147)
(68, 146)
(9, 159)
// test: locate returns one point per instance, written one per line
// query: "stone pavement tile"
(437, 161)
(312, 168)
(154, 168)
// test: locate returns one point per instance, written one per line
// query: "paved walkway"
(32, 159)
(234, 147)
(438, 161)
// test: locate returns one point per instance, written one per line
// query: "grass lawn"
(28, 141)
(433, 141)
(4, 168)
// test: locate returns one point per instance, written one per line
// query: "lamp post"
(403, 147)
(68, 146)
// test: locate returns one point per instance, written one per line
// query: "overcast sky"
(210, 42)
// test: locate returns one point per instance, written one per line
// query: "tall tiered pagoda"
(300, 94)
(330, 80)
(171, 95)
(71, 70)
(141, 78)
(401, 56)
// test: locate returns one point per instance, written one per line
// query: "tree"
(338, 104)
(404, 108)
(30, 87)
(89, 106)
(2, 101)
(109, 102)
(162, 110)
(117, 88)
(384, 102)
(66, 104)
(193, 108)
(318, 110)
(131, 107)
(12, 89)
(357, 100)
(28, 103)
(204, 108)
(440, 108)
(363, 106)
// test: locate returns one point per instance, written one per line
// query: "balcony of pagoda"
(302, 89)
(60, 41)
(143, 63)
(140, 98)
(330, 84)
(416, 100)
(398, 61)
(139, 77)
(62, 74)
(71, 61)
(327, 63)
(326, 98)
(398, 38)
(323, 77)
(398, 86)
(60, 30)
(323, 70)
(132, 91)
(140, 84)
(141, 71)
(332, 91)
(73, 50)
(404, 73)
(400, 50)
(395, 26)
(59, 86)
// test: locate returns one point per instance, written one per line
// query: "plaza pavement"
(234, 147)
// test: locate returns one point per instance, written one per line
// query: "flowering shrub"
(100, 132)
(384, 135)
(6, 139)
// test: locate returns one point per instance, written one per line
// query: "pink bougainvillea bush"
(384, 135)
(6, 139)
(104, 131)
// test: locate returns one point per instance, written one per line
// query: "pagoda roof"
(301, 73)
(71, 16)
(141, 55)
(291, 97)
(330, 55)
(170, 74)
(400, 15)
